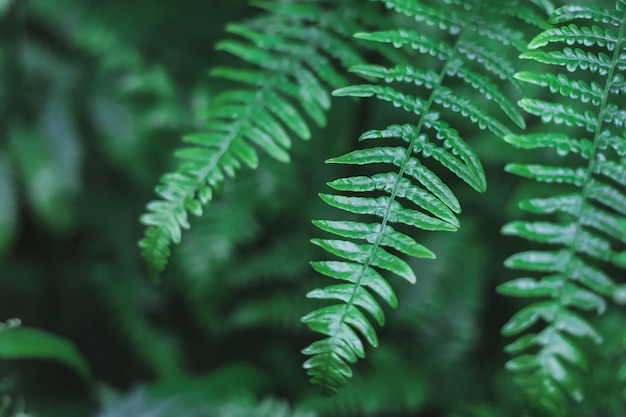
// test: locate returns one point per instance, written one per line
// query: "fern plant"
(290, 51)
(587, 228)
(403, 191)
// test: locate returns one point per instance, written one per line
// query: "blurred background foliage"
(93, 99)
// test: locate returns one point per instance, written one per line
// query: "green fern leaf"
(417, 41)
(561, 142)
(371, 232)
(572, 34)
(447, 20)
(561, 83)
(573, 59)
(403, 192)
(413, 168)
(585, 12)
(289, 53)
(559, 114)
(588, 226)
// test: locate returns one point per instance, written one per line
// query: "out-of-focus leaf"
(50, 190)
(27, 343)
(4, 6)
(8, 205)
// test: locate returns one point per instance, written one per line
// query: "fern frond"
(289, 55)
(405, 195)
(588, 228)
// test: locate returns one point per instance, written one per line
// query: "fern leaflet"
(405, 192)
(290, 52)
(589, 228)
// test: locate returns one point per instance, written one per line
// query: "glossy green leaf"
(605, 221)
(414, 169)
(337, 332)
(342, 313)
(531, 314)
(522, 343)
(572, 34)
(340, 347)
(612, 170)
(561, 83)
(459, 159)
(560, 114)
(447, 20)
(368, 255)
(341, 370)
(542, 173)
(567, 203)
(583, 299)
(573, 60)
(557, 344)
(592, 277)
(351, 272)
(528, 287)
(523, 363)
(554, 261)
(403, 188)
(562, 143)
(411, 39)
(575, 325)
(399, 73)
(582, 11)
(371, 233)
(398, 99)
(384, 207)
(348, 292)
(28, 343)
(559, 373)
(542, 232)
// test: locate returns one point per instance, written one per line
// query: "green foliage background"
(94, 97)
